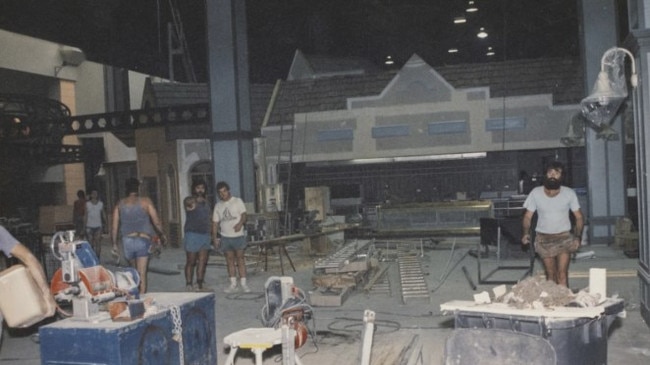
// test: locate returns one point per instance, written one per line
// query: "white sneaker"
(231, 289)
(245, 288)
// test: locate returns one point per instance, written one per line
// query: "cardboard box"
(22, 302)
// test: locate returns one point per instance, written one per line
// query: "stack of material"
(336, 275)
(626, 237)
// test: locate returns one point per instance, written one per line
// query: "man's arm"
(115, 225)
(155, 219)
(242, 221)
(103, 215)
(23, 254)
(85, 218)
(580, 223)
(215, 232)
(525, 226)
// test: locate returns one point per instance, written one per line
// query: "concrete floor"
(399, 327)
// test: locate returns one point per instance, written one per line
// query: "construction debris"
(537, 293)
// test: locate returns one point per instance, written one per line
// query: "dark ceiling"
(132, 34)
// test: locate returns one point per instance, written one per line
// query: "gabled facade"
(417, 112)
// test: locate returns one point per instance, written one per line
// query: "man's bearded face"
(199, 190)
(553, 179)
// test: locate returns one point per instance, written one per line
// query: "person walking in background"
(135, 221)
(554, 239)
(197, 236)
(12, 247)
(78, 214)
(94, 221)
(228, 220)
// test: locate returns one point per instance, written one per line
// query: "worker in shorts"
(197, 238)
(555, 238)
(228, 219)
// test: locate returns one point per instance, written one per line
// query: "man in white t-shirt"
(94, 219)
(228, 219)
(555, 240)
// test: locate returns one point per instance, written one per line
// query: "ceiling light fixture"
(482, 33)
(471, 8)
(453, 50)
(490, 52)
(610, 90)
(460, 20)
(364, 161)
(389, 60)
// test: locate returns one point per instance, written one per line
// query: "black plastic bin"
(575, 340)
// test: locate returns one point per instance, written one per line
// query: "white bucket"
(22, 303)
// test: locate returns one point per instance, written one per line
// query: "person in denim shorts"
(197, 240)
(135, 221)
(228, 219)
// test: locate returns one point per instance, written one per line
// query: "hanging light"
(389, 60)
(460, 20)
(610, 89)
(490, 52)
(101, 171)
(471, 8)
(482, 33)
(453, 50)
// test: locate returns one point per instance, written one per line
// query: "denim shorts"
(90, 231)
(233, 243)
(135, 247)
(195, 242)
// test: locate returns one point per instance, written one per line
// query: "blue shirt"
(7, 241)
(197, 220)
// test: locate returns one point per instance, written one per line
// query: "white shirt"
(227, 214)
(552, 212)
(94, 212)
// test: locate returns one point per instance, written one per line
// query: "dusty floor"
(415, 330)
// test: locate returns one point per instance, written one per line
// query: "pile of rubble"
(537, 293)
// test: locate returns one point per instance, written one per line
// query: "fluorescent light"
(490, 52)
(363, 161)
(449, 156)
(460, 20)
(471, 8)
(389, 60)
(453, 50)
